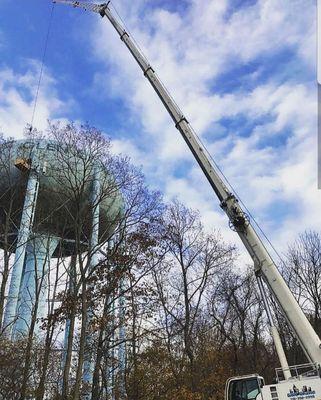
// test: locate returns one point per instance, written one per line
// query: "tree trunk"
(99, 356)
(4, 281)
(82, 343)
(67, 366)
(41, 387)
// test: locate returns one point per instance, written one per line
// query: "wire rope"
(42, 66)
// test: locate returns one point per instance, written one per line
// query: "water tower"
(56, 201)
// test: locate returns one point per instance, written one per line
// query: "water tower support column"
(93, 253)
(69, 326)
(33, 290)
(26, 222)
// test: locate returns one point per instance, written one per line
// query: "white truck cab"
(247, 387)
(304, 384)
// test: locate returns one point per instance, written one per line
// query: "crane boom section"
(238, 219)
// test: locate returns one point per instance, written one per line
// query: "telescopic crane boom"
(238, 219)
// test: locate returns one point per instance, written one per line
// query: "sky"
(242, 71)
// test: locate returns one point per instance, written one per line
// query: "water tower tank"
(65, 184)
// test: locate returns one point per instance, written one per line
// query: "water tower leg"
(26, 222)
(88, 368)
(52, 244)
(33, 291)
(68, 336)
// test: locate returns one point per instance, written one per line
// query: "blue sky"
(242, 71)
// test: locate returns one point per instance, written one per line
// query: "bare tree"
(303, 271)
(237, 314)
(193, 259)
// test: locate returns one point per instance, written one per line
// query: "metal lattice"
(97, 8)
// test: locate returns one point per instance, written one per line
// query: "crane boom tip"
(86, 6)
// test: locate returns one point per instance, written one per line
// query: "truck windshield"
(244, 389)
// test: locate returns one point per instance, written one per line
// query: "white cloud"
(189, 52)
(17, 94)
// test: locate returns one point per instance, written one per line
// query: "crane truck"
(299, 382)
